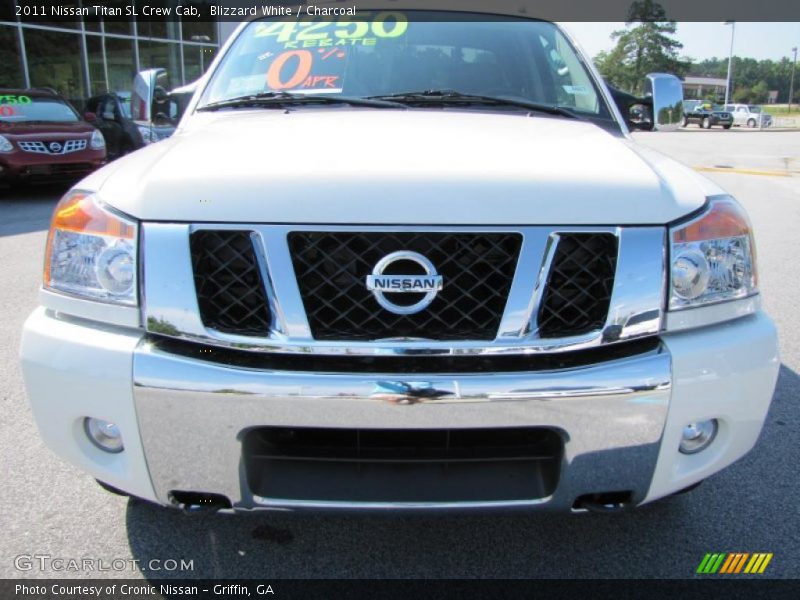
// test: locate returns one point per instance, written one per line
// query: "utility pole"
(791, 82)
(729, 80)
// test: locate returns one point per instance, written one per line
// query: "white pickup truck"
(401, 261)
(749, 115)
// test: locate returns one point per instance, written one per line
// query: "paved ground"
(50, 508)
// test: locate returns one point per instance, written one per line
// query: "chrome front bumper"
(192, 414)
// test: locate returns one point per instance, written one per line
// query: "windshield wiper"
(281, 99)
(456, 97)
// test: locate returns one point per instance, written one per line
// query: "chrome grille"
(579, 286)
(331, 270)
(635, 309)
(53, 147)
(230, 290)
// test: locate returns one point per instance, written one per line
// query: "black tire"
(685, 122)
(706, 123)
(727, 126)
(751, 123)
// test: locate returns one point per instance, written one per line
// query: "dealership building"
(81, 57)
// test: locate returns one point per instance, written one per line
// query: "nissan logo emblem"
(428, 284)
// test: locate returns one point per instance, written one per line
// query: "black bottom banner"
(462, 589)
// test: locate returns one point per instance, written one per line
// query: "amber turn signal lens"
(724, 219)
(78, 213)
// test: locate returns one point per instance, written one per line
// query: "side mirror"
(145, 92)
(666, 92)
(636, 111)
(661, 107)
(159, 94)
(90, 117)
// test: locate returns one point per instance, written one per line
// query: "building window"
(192, 62)
(121, 64)
(168, 30)
(163, 55)
(97, 71)
(10, 58)
(199, 31)
(55, 61)
(119, 27)
(208, 56)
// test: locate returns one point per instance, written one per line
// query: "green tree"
(645, 46)
(748, 74)
(743, 95)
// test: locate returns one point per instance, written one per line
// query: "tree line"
(752, 79)
(647, 45)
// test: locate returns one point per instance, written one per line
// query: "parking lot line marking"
(744, 171)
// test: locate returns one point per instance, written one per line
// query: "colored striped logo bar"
(734, 562)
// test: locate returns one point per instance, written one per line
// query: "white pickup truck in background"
(749, 115)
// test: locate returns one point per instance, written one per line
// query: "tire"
(706, 123)
(751, 123)
(727, 126)
(685, 122)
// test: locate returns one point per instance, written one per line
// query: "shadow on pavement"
(28, 209)
(743, 508)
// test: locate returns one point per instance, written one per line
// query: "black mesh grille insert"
(230, 290)
(332, 267)
(578, 290)
(396, 465)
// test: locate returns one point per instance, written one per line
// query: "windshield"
(392, 53)
(21, 108)
(754, 109)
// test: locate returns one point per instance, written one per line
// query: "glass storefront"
(80, 59)
(11, 74)
(121, 62)
(97, 66)
(192, 62)
(55, 61)
(154, 54)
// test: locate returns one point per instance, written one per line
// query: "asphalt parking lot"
(48, 507)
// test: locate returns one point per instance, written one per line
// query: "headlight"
(146, 134)
(713, 257)
(91, 252)
(98, 142)
(5, 144)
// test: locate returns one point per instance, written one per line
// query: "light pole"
(729, 80)
(791, 81)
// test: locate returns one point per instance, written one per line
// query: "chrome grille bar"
(636, 306)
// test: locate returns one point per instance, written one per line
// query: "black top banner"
(39, 11)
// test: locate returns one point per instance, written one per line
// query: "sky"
(705, 40)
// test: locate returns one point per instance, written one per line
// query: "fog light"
(697, 436)
(103, 434)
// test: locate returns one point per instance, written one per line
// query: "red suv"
(42, 137)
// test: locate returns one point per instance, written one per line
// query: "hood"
(45, 130)
(348, 166)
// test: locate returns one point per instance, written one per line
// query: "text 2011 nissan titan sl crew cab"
(409, 261)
